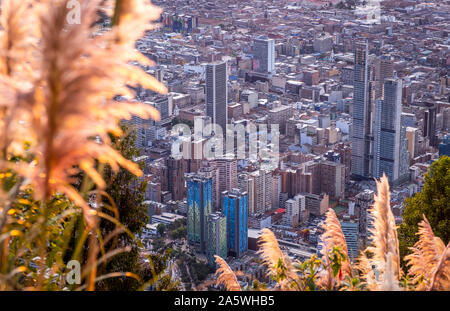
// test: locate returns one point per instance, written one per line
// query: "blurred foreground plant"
(377, 268)
(58, 83)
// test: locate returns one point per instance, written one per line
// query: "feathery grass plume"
(425, 257)
(73, 110)
(226, 276)
(384, 248)
(333, 237)
(441, 274)
(18, 47)
(280, 265)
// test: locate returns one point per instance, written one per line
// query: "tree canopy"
(433, 202)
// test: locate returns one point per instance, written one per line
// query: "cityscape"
(353, 99)
(212, 136)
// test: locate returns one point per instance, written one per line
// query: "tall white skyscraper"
(361, 114)
(389, 150)
(264, 55)
(217, 93)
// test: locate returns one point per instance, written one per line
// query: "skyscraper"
(264, 55)
(360, 166)
(385, 70)
(350, 231)
(199, 199)
(363, 202)
(235, 209)
(444, 147)
(389, 147)
(217, 237)
(217, 94)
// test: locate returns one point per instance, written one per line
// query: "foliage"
(126, 190)
(58, 114)
(161, 229)
(433, 202)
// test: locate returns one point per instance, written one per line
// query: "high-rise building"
(350, 231)
(235, 210)
(217, 237)
(227, 167)
(363, 202)
(360, 165)
(429, 124)
(294, 207)
(412, 136)
(444, 147)
(385, 70)
(246, 183)
(199, 198)
(217, 93)
(264, 55)
(389, 147)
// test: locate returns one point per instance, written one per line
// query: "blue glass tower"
(199, 199)
(444, 147)
(235, 210)
(217, 237)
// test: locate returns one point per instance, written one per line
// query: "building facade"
(235, 210)
(217, 93)
(199, 199)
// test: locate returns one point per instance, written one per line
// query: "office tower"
(227, 167)
(363, 201)
(199, 199)
(361, 114)
(317, 204)
(264, 55)
(235, 210)
(444, 147)
(390, 144)
(429, 124)
(217, 94)
(350, 231)
(323, 43)
(175, 170)
(217, 237)
(209, 169)
(276, 190)
(280, 115)
(294, 207)
(164, 105)
(260, 191)
(385, 70)
(412, 136)
(246, 183)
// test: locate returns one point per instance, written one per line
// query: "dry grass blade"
(384, 248)
(226, 275)
(276, 261)
(73, 101)
(425, 255)
(333, 237)
(441, 274)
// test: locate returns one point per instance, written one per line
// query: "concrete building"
(217, 93)
(264, 55)
(363, 201)
(351, 234)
